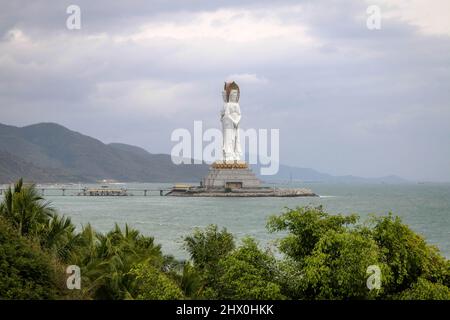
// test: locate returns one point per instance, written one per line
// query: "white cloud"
(430, 16)
(146, 97)
(247, 78)
(16, 36)
(227, 25)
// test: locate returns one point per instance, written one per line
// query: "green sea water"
(424, 207)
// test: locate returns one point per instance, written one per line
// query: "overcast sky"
(347, 100)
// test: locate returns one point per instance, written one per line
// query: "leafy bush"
(327, 257)
(306, 226)
(407, 255)
(248, 273)
(206, 249)
(152, 284)
(425, 290)
(25, 271)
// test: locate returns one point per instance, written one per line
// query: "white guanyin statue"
(230, 117)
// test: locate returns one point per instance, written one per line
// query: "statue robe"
(231, 116)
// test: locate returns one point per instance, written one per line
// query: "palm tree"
(25, 209)
(190, 281)
(106, 260)
(33, 217)
(59, 236)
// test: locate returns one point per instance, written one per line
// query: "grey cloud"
(361, 102)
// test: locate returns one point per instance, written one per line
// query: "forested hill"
(48, 152)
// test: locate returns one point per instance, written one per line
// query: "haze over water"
(424, 207)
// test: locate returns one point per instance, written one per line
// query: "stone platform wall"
(217, 178)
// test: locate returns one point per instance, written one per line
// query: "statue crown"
(231, 86)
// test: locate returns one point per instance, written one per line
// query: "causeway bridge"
(106, 192)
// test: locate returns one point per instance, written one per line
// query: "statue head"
(234, 96)
(231, 92)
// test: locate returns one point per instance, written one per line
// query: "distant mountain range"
(48, 152)
(287, 174)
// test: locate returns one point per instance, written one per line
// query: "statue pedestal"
(230, 175)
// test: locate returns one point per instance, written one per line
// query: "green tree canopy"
(25, 271)
(327, 256)
(248, 273)
(152, 284)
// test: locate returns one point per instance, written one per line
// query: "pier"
(180, 190)
(97, 192)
